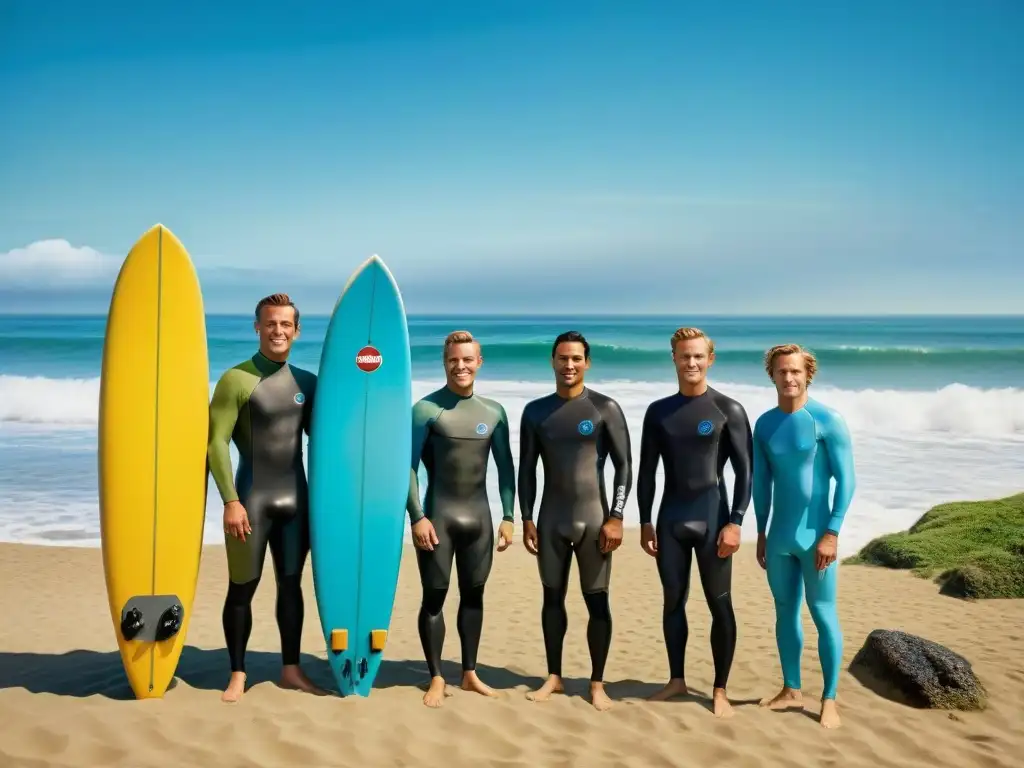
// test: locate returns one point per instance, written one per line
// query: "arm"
(309, 390)
(422, 417)
(646, 474)
(501, 449)
(840, 454)
(224, 408)
(741, 446)
(761, 483)
(529, 453)
(617, 432)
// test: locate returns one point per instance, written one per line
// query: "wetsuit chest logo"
(585, 427)
(299, 398)
(706, 427)
(481, 428)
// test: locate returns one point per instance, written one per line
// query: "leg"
(435, 567)
(473, 560)
(554, 558)
(821, 600)
(595, 579)
(716, 580)
(786, 583)
(289, 547)
(674, 563)
(237, 618)
(245, 566)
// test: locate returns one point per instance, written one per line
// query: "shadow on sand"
(93, 673)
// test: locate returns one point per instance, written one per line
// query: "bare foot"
(675, 687)
(472, 683)
(436, 693)
(720, 703)
(293, 678)
(599, 698)
(552, 685)
(829, 714)
(235, 689)
(787, 698)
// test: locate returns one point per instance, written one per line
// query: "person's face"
(461, 362)
(692, 360)
(569, 363)
(277, 330)
(790, 375)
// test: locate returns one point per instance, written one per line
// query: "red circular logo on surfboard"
(368, 359)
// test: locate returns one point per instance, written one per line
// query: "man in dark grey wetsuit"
(455, 431)
(695, 432)
(264, 405)
(573, 431)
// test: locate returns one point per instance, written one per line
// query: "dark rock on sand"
(925, 673)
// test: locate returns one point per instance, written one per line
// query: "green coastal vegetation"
(972, 549)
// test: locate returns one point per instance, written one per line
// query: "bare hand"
(236, 520)
(649, 539)
(728, 540)
(505, 531)
(761, 547)
(611, 535)
(826, 551)
(423, 534)
(530, 536)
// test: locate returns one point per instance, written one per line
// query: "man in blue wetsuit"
(799, 447)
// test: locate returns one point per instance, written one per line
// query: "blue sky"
(798, 157)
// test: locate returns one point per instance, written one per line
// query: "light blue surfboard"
(359, 448)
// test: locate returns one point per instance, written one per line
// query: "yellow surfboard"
(153, 425)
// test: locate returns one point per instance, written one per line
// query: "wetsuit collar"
(583, 393)
(265, 365)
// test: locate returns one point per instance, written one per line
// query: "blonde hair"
(685, 334)
(458, 337)
(781, 350)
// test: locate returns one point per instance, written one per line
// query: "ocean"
(935, 405)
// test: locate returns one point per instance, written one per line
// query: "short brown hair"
(781, 350)
(458, 337)
(276, 300)
(685, 334)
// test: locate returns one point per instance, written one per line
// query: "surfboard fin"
(131, 624)
(339, 640)
(364, 667)
(378, 638)
(169, 624)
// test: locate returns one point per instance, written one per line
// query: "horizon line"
(560, 315)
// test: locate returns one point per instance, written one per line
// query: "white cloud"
(56, 262)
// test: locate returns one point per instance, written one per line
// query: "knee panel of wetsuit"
(598, 605)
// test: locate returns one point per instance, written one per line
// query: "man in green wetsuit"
(454, 432)
(264, 405)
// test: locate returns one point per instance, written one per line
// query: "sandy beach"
(64, 700)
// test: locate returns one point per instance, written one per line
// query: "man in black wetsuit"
(454, 431)
(695, 431)
(573, 431)
(264, 405)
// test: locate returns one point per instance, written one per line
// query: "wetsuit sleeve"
(621, 455)
(762, 482)
(840, 453)
(529, 454)
(646, 475)
(501, 449)
(309, 387)
(224, 408)
(422, 417)
(741, 446)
